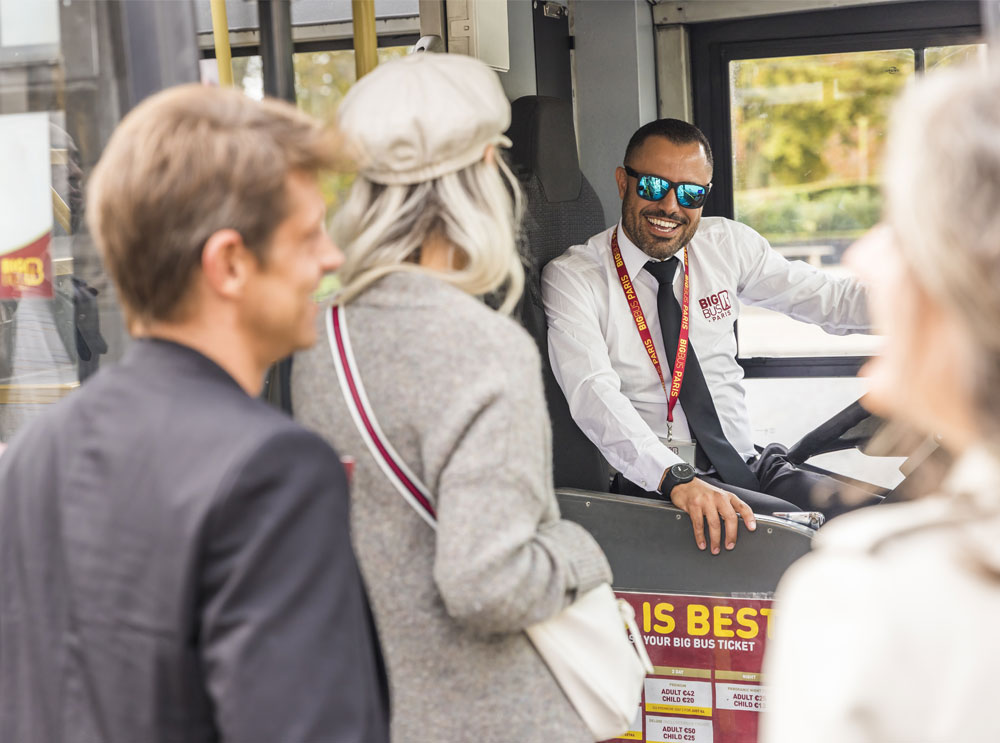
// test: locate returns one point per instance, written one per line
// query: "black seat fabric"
(562, 209)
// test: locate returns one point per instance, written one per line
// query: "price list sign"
(707, 654)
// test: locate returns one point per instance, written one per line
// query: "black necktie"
(695, 396)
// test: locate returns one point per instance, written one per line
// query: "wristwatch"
(676, 475)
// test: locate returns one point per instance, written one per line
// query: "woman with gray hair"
(887, 632)
(456, 387)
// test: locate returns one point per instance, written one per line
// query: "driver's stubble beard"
(661, 250)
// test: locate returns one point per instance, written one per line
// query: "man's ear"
(621, 178)
(226, 263)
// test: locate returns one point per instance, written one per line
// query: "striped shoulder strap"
(388, 460)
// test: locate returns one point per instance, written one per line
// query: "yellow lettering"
(743, 618)
(662, 612)
(34, 273)
(645, 617)
(722, 620)
(22, 271)
(767, 614)
(698, 619)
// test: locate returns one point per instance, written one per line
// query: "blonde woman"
(887, 632)
(428, 227)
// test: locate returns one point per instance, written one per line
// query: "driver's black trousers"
(783, 487)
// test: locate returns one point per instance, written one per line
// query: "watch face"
(683, 472)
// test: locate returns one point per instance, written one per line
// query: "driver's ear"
(621, 178)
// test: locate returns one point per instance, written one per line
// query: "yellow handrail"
(220, 32)
(365, 38)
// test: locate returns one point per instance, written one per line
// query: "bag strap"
(388, 460)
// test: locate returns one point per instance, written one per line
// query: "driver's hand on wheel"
(704, 502)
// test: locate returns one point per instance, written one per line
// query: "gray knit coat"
(457, 389)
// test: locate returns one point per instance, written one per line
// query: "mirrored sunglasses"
(654, 188)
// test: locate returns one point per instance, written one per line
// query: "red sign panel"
(27, 271)
(707, 654)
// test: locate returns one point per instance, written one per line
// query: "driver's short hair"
(184, 164)
(673, 130)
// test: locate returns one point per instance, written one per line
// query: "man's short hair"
(184, 164)
(674, 130)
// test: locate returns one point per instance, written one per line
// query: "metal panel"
(519, 80)
(276, 48)
(553, 76)
(698, 11)
(243, 14)
(650, 545)
(159, 44)
(673, 73)
(390, 31)
(991, 20)
(615, 86)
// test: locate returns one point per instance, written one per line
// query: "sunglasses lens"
(651, 188)
(691, 196)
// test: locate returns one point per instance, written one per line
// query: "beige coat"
(888, 632)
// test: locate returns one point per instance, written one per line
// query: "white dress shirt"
(602, 366)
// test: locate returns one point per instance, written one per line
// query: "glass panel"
(808, 134)
(58, 104)
(321, 81)
(950, 56)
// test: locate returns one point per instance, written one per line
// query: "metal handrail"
(223, 53)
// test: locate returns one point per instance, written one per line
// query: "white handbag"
(593, 647)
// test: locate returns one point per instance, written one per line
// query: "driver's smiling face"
(661, 228)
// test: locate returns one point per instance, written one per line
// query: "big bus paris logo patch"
(716, 306)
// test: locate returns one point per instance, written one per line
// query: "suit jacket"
(175, 567)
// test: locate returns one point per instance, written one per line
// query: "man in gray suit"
(174, 554)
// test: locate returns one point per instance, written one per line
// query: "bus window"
(808, 134)
(807, 139)
(956, 54)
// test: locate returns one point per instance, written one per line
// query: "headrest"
(544, 145)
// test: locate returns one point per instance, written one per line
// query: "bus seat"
(561, 209)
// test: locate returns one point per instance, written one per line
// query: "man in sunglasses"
(641, 339)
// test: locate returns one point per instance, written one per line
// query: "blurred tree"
(793, 117)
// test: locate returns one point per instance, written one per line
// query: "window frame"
(713, 45)
(317, 45)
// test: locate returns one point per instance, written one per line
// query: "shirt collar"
(634, 258)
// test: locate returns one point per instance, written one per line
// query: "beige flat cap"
(423, 116)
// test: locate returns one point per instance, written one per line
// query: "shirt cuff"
(648, 469)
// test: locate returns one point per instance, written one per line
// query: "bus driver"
(641, 339)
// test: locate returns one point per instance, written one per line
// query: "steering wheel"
(847, 429)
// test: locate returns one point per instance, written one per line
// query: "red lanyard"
(680, 360)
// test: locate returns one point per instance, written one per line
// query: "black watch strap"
(678, 474)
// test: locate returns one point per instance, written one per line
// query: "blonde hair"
(943, 202)
(477, 209)
(184, 164)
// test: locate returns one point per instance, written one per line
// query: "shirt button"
(644, 483)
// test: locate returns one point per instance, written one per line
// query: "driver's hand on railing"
(704, 502)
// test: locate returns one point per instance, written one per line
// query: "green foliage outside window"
(809, 134)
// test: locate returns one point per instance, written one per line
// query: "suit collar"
(157, 355)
